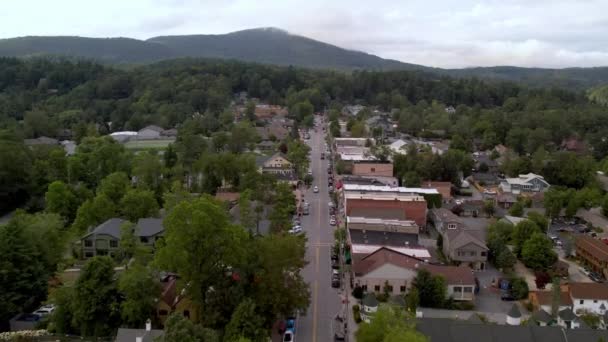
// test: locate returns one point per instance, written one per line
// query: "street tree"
(180, 329)
(431, 289)
(147, 170)
(246, 322)
(517, 209)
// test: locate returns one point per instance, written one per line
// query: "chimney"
(148, 325)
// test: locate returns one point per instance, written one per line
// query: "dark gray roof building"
(372, 237)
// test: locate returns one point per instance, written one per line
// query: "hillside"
(275, 46)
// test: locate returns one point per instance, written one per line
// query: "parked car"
(332, 221)
(322, 155)
(315, 189)
(595, 277)
(288, 336)
(331, 188)
(507, 296)
(335, 281)
(295, 230)
(45, 310)
(335, 264)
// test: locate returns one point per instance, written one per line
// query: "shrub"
(519, 288)
(356, 313)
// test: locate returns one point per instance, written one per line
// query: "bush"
(356, 313)
(519, 288)
(529, 306)
(382, 297)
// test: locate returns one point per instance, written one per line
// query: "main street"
(316, 324)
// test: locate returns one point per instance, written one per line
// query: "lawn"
(148, 144)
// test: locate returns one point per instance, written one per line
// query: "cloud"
(546, 33)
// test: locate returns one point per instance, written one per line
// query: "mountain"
(275, 46)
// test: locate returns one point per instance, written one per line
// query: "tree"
(517, 209)
(505, 259)
(389, 325)
(175, 196)
(61, 200)
(246, 214)
(114, 185)
(200, 245)
(605, 205)
(412, 300)
(138, 204)
(411, 179)
(541, 221)
(180, 329)
(23, 279)
(358, 130)
(128, 241)
(246, 322)
(519, 288)
(250, 111)
(283, 209)
(95, 308)
(93, 212)
(140, 289)
(521, 233)
(147, 170)
(431, 289)
(297, 154)
(537, 252)
(488, 207)
(170, 156)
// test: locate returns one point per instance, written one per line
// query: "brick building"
(594, 253)
(412, 206)
(369, 168)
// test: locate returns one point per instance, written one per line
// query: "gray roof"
(514, 312)
(130, 335)
(567, 314)
(372, 237)
(110, 227)
(449, 330)
(370, 300)
(542, 316)
(149, 226)
(153, 128)
(385, 213)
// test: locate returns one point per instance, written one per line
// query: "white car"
(315, 189)
(288, 337)
(332, 221)
(45, 310)
(295, 230)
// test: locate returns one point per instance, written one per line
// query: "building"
(353, 142)
(277, 163)
(524, 183)
(459, 243)
(174, 300)
(370, 180)
(150, 133)
(543, 300)
(273, 131)
(139, 335)
(372, 168)
(396, 271)
(369, 306)
(593, 253)
(412, 206)
(399, 146)
(444, 188)
(266, 146)
(505, 200)
(589, 297)
(105, 238)
(382, 225)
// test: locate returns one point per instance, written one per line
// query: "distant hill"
(275, 46)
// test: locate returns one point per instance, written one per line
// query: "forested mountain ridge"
(275, 46)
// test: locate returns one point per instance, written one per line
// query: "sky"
(446, 33)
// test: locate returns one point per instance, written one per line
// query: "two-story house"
(459, 243)
(593, 253)
(524, 183)
(105, 238)
(589, 297)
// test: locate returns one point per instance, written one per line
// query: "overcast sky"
(447, 33)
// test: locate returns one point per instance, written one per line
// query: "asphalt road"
(316, 324)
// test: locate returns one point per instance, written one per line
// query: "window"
(473, 253)
(451, 225)
(187, 313)
(483, 253)
(88, 243)
(113, 243)
(373, 169)
(468, 289)
(390, 288)
(582, 301)
(88, 254)
(402, 288)
(457, 289)
(162, 312)
(377, 288)
(595, 301)
(143, 239)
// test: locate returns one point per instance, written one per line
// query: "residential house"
(373, 168)
(265, 111)
(169, 133)
(485, 179)
(139, 335)
(69, 147)
(352, 110)
(380, 121)
(459, 243)
(589, 297)
(260, 212)
(524, 183)
(123, 136)
(542, 318)
(514, 220)
(174, 300)
(399, 146)
(266, 146)
(543, 300)
(483, 160)
(273, 131)
(398, 270)
(574, 144)
(369, 306)
(593, 253)
(277, 163)
(105, 238)
(444, 188)
(505, 200)
(567, 319)
(150, 133)
(453, 330)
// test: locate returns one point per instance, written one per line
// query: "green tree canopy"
(537, 252)
(138, 204)
(389, 325)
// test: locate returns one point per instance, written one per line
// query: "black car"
(335, 281)
(334, 264)
(595, 277)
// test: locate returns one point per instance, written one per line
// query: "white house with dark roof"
(529, 182)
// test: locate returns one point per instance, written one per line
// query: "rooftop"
(595, 247)
(389, 189)
(374, 237)
(589, 291)
(386, 213)
(380, 221)
(420, 252)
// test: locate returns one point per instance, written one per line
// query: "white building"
(589, 297)
(524, 183)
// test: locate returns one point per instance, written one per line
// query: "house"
(524, 183)
(485, 179)
(589, 297)
(169, 133)
(149, 132)
(483, 161)
(174, 300)
(260, 213)
(460, 244)
(123, 136)
(352, 110)
(230, 197)
(273, 131)
(266, 146)
(105, 238)
(399, 146)
(567, 319)
(574, 144)
(380, 121)
(277, 163)
(505, 200)
(69, 147)
(543, 300)
(386, 266)
(542, 318)
(514, 220)
(265, 111)
(593, 253)
(444, 188)
(139, 335)
(373, 168)
(453, 330)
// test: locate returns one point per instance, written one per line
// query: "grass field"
(148, 144)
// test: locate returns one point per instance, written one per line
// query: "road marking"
(314, 311)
